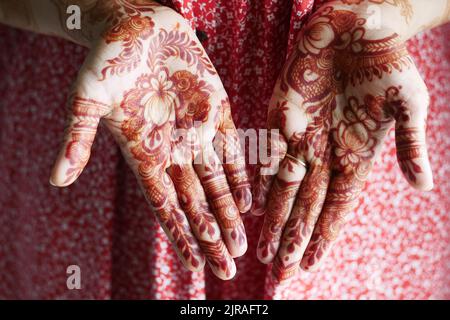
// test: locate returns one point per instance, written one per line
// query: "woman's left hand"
(342, 89)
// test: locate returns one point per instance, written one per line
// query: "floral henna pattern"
(127, 22)
(350, 90)
(153, 105)
(176, 43)
(305, 213)
(131, 32)
(164, 103)
(343, 56)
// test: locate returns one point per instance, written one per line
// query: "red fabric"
(396, 245)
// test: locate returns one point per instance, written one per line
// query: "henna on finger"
(342, 196)
(161, 194)
(234, 160)
(266, 172)
(147, 62)
(410, 136)
(85, 115)
(221, 201)
(281, 198)
(203, 223)
(299, 227)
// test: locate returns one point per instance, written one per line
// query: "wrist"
(426, 15)
(405, 18)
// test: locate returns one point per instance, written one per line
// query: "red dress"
(396, 245)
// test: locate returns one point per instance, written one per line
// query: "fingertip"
(228, 275)
(425, 185)
(239, 251)
(264, 260)
(243, 199)
(418, 175)
(59, 180)
(256, 210)
(196, 265)
(305, 266)
(62, 175)
(263, 257)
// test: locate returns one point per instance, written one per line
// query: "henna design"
(86, 114)
(332, 61)
(131, 32)
(233, 159)
(127, 22)
(203, 223)
(170, 84)
(178, 44)
(151, 105)
(221, 200)
(298, 229)
(280, 201)
(313, 70)
(194, 99)
(217, 255)
(277, 149)
(193, 201)
(408, 149)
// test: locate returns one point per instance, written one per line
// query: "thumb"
(410, 139)
(84, 116)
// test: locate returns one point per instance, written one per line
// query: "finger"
(342, 196)
(281, 198)
(203, 224)
(299, 228)
(410, 136)
(84, 117)
(160, 192)
(233, 159)
(215, 185)
(234, 167)
(265, 174)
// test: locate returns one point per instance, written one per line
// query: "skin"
(148, 79)
(339, 109)
(345, 85)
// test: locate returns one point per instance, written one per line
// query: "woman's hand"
(345, 85)
(148, 79)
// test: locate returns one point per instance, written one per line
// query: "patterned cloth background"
(396, 245)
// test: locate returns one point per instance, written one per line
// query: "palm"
(150, 81)
(341, 91)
